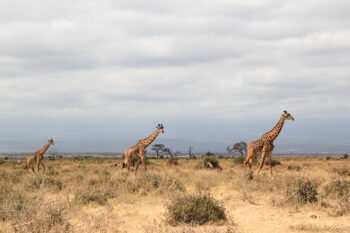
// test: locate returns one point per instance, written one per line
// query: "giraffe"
(139, 150)
(264, 145)
(38, 156)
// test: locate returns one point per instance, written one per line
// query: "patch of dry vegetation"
(91, 195)
(194, 209)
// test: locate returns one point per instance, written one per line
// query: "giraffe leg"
(43, 166)
(144, 162)
(263, 155)
(142, 154)
(128, 165)
(128, 156)
(38, 165)
(31, 165)
(137, 166)
(250, 155)
(270, 155)
(28, 164)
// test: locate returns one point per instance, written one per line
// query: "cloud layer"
(145, 62)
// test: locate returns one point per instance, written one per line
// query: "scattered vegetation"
(338, 191)
(274, 162)
(173, 161)
(314, 228)
(84, 195)
(301, 190)
(294, 167)
(31, 213)
(339, 188)
(198, 209)
(209, 161)
(239, 159)
(342, 171)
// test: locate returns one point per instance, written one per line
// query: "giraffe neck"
(147, 141)
(44, 148)
(272, 135)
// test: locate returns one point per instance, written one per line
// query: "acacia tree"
(170, 152)
(158, 148)
(239, 147)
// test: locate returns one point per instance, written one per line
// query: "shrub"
(51, 157)
(199, 209)
(294, 167)
(274, 162)
(47, 217)
(301, 190)
(345, 156)
(32, 213)
(209, 159)
(339, 188)
(91, 194)
(135, 160)
(209, 154)
(239, 159)
(2, 161)
(343, 171)
(173, 161)
(328, 158)
(152, 182)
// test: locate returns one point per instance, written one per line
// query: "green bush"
(135, 160)
(2, 161)
(205, 160)
(345, 156)
(239, 159)
(274, 162)
(198, 209)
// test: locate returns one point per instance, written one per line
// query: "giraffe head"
(287, 116)
(160, 128)
(51, 141)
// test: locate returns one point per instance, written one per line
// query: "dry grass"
(92, 195)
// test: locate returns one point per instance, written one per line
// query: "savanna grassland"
(307, 194)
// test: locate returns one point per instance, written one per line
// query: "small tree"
(158, 148)
(345, 156)
(239, 147)
(170, 152)
(229, 150)
(190, 149)
(209, 154)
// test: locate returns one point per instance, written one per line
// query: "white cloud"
(161, 59)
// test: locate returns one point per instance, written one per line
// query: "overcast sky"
(100, 75)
